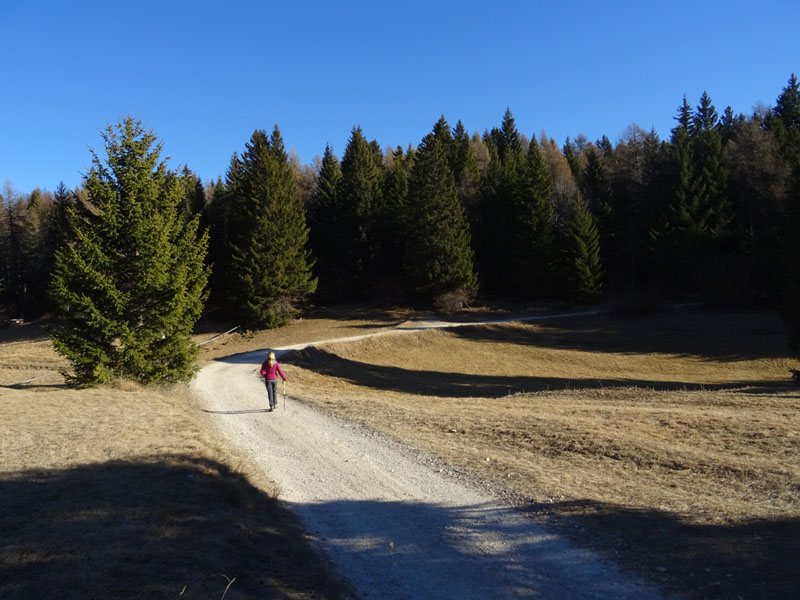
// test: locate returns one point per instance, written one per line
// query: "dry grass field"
(122, 492)
(670, 442)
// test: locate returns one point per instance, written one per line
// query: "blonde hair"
(271, 358)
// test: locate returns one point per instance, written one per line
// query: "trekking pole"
(284, 395)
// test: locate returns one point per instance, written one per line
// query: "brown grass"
(670, 442)
(674, 438)
(122, 492)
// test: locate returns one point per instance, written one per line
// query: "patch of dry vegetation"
(319, 324)
(675, 437)
(669, 441)
(121, 492)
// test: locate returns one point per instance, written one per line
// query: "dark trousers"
(272, 392)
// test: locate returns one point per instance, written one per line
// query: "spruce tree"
(194, 201)
(498, 198)
(130, 283)
(439, 258)
(675, 239)
(270, 260)
(791, 246)
(391, 226)
(784, 121)
(324, 220)
(582, 270)
(531, 225)
(573, 161)
(710, 171)
(360, 201)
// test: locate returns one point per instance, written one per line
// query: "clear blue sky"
(203, 75)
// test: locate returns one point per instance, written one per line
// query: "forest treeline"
(714, 209)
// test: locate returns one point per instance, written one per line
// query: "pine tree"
(598, 193)
(785, 121)
(194, 201)
(582, 270)
(531, 225)
(463, 162)
(63, 199)
(325, 226)
(130, 283)
(605, 146)
(360, 200)
(676, 238)
(270, 260)
(573, 161)
(498, 198)
(218, 215)
(711, 174)
(791, 246)
(684, 117)
(439, 258)
(391, 226)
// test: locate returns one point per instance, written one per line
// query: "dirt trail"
(392, 524)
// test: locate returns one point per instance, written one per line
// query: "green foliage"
(360, 200)
(676, 237)
(582, 270)
(705, 210)
(130, 282)
(325, 225)
(785, 121)
(392, 226)
(531, 227)
(439, 258)
(598, 194)
(194, 196)
(791, 244)
(270, 262)
(498, 203)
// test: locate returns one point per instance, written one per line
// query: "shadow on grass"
(149, 529)
(177, 526)
(753, 560)
(465, 385)
(715, 335)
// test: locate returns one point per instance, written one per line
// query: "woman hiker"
(270, 369)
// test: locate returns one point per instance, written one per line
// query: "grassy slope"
(122, 492)
(670, 442)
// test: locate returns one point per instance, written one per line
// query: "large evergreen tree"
(498, 199)
(324, 219)
(391, 225)
(791, 243)
(581, 271)
(785, 121)
(359, 198)
(130, 283)
(710, 171)
(439, 257)
(531, 226)
(598, 193)
(675, 239)
(270, 259)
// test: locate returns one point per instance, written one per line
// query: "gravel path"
(392, 523)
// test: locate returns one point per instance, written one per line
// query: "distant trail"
(393, 525)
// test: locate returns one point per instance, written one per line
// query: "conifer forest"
(138, 251)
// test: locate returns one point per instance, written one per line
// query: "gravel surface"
(395, 523)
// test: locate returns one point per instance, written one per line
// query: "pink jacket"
(273, 372)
